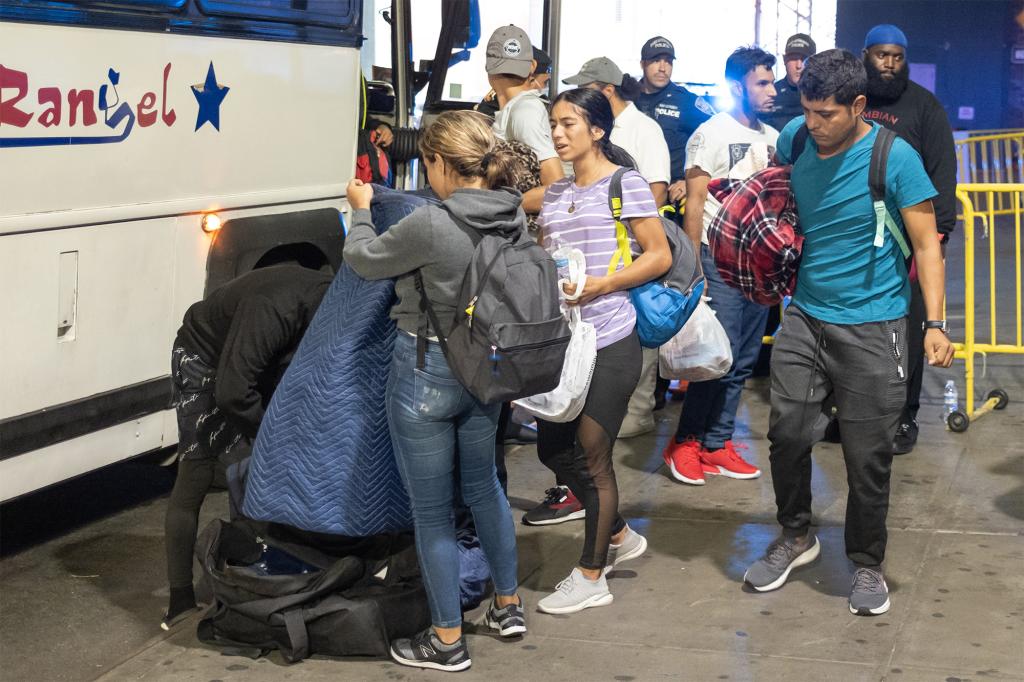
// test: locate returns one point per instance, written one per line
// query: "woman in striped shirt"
(576, 213)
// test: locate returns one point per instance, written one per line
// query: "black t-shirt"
(787, 105)
(920, 119)
(248, 330)
(679, 112)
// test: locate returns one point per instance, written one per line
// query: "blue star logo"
(209, 95)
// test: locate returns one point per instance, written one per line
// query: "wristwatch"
(935, 324)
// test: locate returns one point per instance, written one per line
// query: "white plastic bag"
(700, 351)
(565, 402)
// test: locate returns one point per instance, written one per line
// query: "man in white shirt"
(732, 144)
(522, 115)
(643, 139)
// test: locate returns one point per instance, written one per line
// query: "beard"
(886, 89)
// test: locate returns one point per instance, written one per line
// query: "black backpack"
(508, 338)
(876, 182)
(349, 606)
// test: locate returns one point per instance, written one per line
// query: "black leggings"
(580, 451)
(195, 477)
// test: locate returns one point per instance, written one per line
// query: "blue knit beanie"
(885, 34)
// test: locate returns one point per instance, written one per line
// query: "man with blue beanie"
(914, 114)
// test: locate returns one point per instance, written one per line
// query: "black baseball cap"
(801, 44)
(658, 45)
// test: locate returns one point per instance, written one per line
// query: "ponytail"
(616, 154)
(630, 88)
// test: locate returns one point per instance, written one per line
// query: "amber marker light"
(211, 222)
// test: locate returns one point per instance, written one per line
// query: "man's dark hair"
(743, 60)
(835, 73)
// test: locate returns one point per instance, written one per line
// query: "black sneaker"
(426, 650)
(559, 506)
(508, 620)
(906, 438)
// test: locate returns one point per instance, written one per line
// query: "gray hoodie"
(430, 240)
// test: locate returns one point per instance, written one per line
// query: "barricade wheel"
(1002, 398)
(957, 422)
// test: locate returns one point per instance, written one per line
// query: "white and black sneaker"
(508, 621)
(426, 650)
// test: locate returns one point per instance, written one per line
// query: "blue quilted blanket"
(322, 460)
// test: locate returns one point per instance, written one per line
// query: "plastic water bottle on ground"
(950, 399)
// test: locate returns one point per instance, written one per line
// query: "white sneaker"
(632, 546)
(576, 593)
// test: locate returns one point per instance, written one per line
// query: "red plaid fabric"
(755, 236)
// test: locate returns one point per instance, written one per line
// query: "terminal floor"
(87, 605)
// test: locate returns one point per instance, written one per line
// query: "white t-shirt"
(524, 118)
(641, 136)
(723, 147)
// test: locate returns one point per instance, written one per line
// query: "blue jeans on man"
(709, 411)
(435, 425)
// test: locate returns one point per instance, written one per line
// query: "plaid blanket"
(755, 236)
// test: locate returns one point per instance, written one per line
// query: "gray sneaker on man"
(783, 555)
(632, 546)
(576, 593)
(869, 595)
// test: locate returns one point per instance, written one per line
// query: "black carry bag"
(355, 606)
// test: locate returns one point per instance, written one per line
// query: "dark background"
(969, 41)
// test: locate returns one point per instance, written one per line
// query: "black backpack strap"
(622, 252)
(876, 184)
(615, 193)
(799, 143)
(426, 313)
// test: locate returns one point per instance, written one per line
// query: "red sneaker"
(728, 462)
(683, 461)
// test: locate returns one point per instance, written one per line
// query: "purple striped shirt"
(591, 228)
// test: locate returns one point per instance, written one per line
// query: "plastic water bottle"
(950, 399)
(560, 252)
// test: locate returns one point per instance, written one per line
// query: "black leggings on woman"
(580, 451)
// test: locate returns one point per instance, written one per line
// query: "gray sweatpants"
(864, 367)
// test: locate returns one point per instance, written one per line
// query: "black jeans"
(864, 366)
(580, 452)
(915, 352)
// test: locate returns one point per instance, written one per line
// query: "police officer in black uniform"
(677, 110)
(787, 98)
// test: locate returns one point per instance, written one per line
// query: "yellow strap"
(622, 251)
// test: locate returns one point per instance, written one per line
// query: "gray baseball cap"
(509, 51)
(598, 69)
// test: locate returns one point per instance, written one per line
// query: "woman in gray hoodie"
(430, 414)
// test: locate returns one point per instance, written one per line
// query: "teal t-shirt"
(844, 278)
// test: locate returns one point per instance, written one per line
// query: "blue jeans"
(436, 423)
(709, 412)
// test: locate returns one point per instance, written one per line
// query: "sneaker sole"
(802, 560)
(871, 612)
(597, 600)
(430, 665)
(513, 631)
(722, 471)
(578, 514)
(679, 477)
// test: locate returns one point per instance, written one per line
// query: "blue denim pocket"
(435, 396)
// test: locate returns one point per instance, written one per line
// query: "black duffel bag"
(350, 606)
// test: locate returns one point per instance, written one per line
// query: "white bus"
(129, 131)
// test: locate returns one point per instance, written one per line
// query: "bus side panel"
(97, 118)
(121, 279)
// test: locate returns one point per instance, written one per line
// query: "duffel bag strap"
(295, 624)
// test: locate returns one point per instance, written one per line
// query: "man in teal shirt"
(845, 332)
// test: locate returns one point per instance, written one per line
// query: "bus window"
(331, 13)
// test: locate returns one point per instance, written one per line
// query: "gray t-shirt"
(524, 118)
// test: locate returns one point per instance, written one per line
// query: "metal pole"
(400, 59)
(554, 31)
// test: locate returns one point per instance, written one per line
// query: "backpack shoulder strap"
(799, 143)
(622, 252)
(884, 140)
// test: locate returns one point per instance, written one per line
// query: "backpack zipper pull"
(494, 358)
(469, 311)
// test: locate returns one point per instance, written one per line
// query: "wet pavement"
(87, 603)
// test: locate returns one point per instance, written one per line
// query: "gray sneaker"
(784, 554)
(632, 546)
(576, 593)
(869, 595)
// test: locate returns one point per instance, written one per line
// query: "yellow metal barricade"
(991, 158)
(997, 207)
